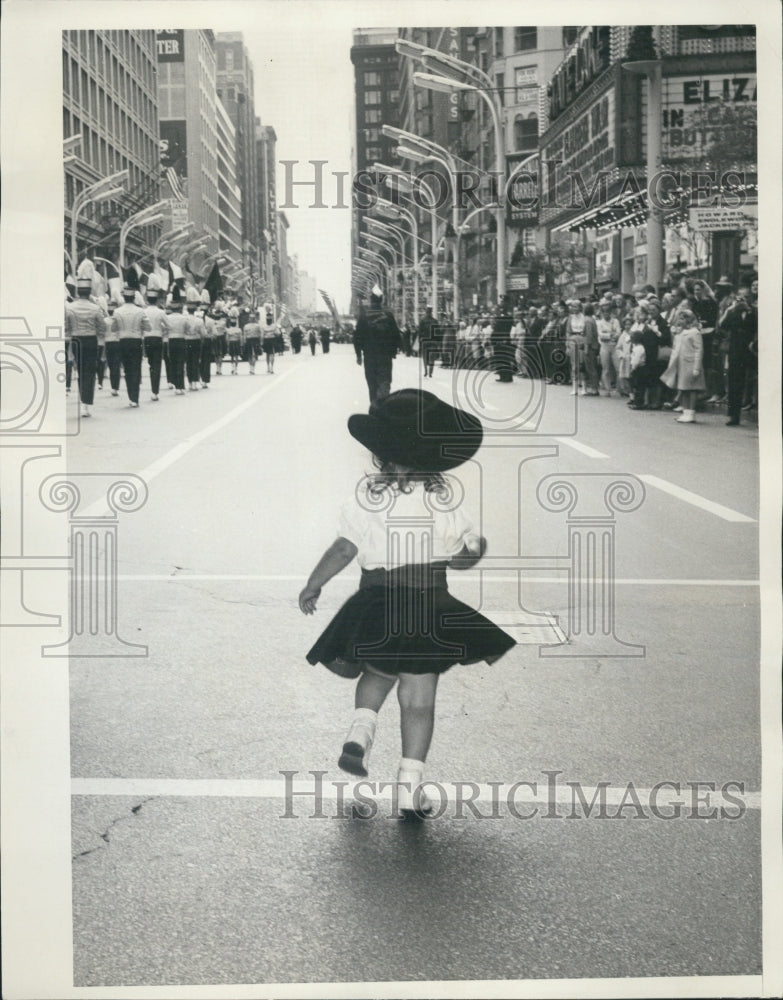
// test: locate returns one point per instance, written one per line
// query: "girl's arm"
(336, 558)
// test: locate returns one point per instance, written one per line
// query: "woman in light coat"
(685, 371)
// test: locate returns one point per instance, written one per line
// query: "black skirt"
(406, 621)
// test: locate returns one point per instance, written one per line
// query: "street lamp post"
(402, 178)
(102, 190)
(445, 85)
(382, 229)
(145, 217)
(393, 250)
(452, 74)
(419, 149)
(397, 212)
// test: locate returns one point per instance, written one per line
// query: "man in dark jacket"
(376, 341)
(740, 323)
(429, 341)
(502, 349)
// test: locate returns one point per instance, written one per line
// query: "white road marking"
(304, 789)
(99, 508)
(697, 501)
(484, 578)
(585, 449)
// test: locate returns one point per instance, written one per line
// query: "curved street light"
(403, 178)
(452, 74)
(102, 190)
(153, 213)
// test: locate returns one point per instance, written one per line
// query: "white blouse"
(395, 529)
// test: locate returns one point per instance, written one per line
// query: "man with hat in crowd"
(131, 325)
(194, 335)
(155, 341)
(85, 325)
(376, 342)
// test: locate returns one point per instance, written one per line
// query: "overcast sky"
(304, 88)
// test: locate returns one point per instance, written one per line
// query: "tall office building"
(188, 127)
(110, 101)
(266, 155)
(229, 194)
(376, 102)
(235, 89)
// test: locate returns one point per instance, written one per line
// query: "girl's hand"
(308, 599)
(473, 549)
(696, 372)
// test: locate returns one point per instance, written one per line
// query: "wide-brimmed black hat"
(415, 429)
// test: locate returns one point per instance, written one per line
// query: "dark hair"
(388, 477)
(589, 310)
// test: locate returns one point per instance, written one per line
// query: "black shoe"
(352, 760)
(633, 406)
(732, 423)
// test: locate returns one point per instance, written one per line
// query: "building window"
(525, 132)
(569, 35)
(372, 79)
(372, 116)
(372, 97)
(499, 43)
(525, 39)
(372, 135)
(373, 153)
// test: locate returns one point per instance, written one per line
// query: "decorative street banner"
(170, 45)
(719, 219)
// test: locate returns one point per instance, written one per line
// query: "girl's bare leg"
(371, 691)
(416, 695)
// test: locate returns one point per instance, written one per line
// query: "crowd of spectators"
(684, 350)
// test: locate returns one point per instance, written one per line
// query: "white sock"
(412, 769)
(362, 729)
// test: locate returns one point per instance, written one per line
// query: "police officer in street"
(376, 342)
(429, 341)
(131, 326)
(84, 324)
(502, 348)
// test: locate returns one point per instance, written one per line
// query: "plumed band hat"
(417, 430)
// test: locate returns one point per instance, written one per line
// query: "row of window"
(375, 78)
(98, 100)
(101, 153)
(376, 97)
(96, 51)
(98, 55)
(525, 39)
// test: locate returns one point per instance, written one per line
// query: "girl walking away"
(403, 627)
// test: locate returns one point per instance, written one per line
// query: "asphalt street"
(191, 866)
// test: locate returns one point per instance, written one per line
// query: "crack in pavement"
(273, 602)
(135, 810)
